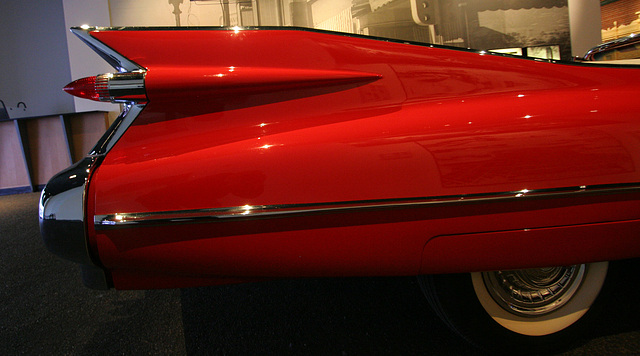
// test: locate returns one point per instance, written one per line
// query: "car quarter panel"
(289, 118)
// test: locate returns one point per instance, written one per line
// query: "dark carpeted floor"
(45, 309)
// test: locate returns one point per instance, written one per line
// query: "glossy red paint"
(379, 120)
(212, 81)
(531, 248)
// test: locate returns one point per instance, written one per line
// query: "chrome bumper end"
(62, 220)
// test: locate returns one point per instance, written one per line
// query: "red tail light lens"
(113, 87)
(83, 88)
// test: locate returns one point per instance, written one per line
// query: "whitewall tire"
(569, 308)
(523, 311)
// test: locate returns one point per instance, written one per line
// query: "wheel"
(525, 311)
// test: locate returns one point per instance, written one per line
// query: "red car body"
(266, 153)
(254, 153)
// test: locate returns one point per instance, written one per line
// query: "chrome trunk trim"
(125, 87)
(115, 59)
(262, 211)
(117, 129)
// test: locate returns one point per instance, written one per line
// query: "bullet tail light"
(110, 87)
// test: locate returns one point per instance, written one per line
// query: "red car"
(245, 154)
(625, 50)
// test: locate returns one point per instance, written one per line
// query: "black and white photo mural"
(537, 28)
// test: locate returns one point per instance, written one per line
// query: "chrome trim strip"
(126, 87)
(117, 129)
(115, 59)
(132, 113)
(261, 211)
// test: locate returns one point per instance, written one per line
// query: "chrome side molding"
(265, 211)
(117, 129)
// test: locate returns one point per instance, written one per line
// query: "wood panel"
(48, 148)
(86, 129)
(33, 150)
(13, 172)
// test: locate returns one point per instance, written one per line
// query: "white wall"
(161, 13)
(585, 23)
(83, 61)
(40, 56)
(33, 58)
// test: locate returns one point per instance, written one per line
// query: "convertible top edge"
(124, 64)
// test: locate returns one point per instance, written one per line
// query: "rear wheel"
(524, 311)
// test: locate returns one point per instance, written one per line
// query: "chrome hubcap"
(534, 292)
